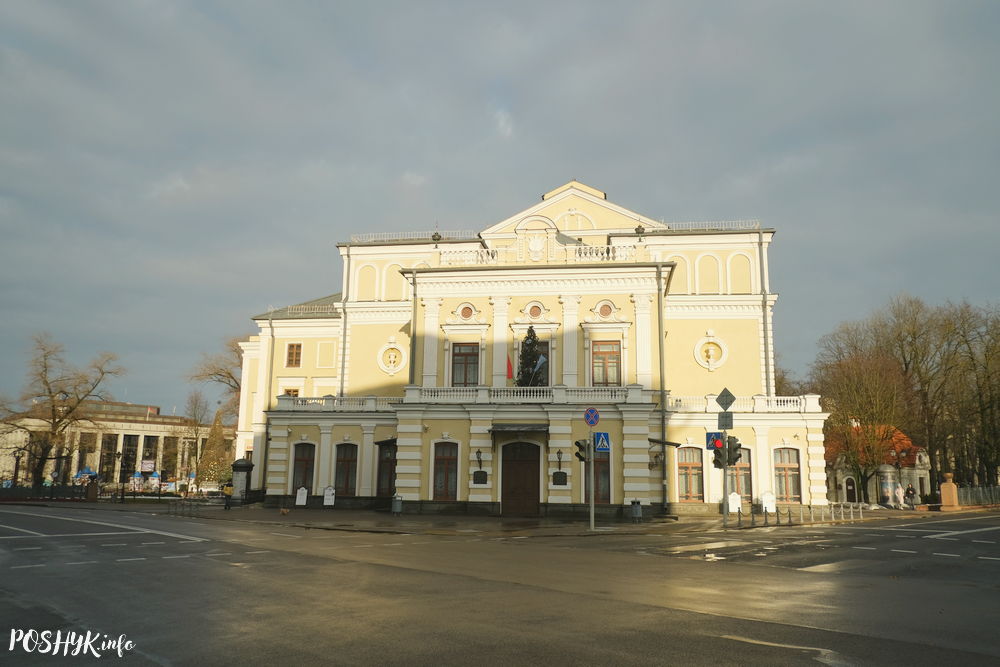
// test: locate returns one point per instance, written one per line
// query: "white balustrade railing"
(557, 394)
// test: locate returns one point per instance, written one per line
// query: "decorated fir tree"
(530, 367)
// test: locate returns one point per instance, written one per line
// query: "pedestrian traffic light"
(581, 450)
(732, 450)
(719, 458)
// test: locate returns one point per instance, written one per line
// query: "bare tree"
(223, 368)
(196, 413)
(54, 400)
(863, 390)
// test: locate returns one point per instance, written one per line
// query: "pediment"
(572, 211)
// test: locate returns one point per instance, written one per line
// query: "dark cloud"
(169, 169)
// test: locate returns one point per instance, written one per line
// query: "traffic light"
(732, 450)
(581, 450)
(718, 460)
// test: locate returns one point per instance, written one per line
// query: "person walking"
(227, 493)
(911, 495)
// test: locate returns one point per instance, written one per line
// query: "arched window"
(739, 477)
(446, 471)
(787, 482)
(346, 473)
(690, 480)
(302, 469)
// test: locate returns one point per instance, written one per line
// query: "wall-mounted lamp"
(559, 458)
(479, 458)
(640, 230)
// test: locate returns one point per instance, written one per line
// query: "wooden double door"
(519, 490)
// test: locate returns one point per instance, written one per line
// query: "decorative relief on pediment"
(466, 313)
(605, 311)
(534, 312)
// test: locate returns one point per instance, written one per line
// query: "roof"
(326, 306)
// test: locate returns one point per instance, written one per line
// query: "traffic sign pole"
(725, 481)
(590, 462)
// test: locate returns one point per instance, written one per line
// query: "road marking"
(903, 551)
(147, 543)
(184, 556)
(21, 567)
(133, 529)
(984, 541)
(116, 544)
(987, 558)
(825, 655)
(21, 530)
(221, 553)
(81, 562)
(949, 555)
(938, 537)
(945, 536)
(258, 552)
(287, 535)
(25, 548)
(865, 548)
(906, 537)
(122, 560)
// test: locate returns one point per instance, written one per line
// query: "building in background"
(115, 443)
(403, 383)
(902, 463)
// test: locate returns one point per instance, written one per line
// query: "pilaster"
(501, 307)
(571, 329)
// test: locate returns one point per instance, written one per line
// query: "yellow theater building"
(401, 384)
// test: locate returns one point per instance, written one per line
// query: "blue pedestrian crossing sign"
(602, 442)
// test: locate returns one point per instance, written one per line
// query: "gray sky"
(168, 169)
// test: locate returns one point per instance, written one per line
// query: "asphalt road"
(202, 591)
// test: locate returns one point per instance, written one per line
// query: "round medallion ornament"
(710, 352)
(391, 358)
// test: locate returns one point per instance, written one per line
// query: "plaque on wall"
(559, 478)
(479, 477)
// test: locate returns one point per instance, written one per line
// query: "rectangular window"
(689, 475)
(787, 488)
(130, 453)
(293, 355)
(109, 446)
(607, 362)
(169, 467)
(386, 470)
(464, 364)
(739, 477)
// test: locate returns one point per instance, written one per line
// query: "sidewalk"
(370, 521)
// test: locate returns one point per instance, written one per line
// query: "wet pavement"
(434, 524)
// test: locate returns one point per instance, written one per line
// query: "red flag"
(510, 369)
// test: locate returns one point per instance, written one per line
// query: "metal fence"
(978, 495)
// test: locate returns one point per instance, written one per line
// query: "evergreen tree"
(530, 373)
(217, 457)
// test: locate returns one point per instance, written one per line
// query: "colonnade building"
(401, 384)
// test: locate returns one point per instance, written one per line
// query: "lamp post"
(121, 475)
(17, 464)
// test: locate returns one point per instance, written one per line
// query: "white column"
(501, 305)
(366, 460)
(325, 457)
(643, 340)
(571, 328)
(431, 343)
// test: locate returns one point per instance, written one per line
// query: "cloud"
(170, 169)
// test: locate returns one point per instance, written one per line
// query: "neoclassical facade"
(402, 383)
